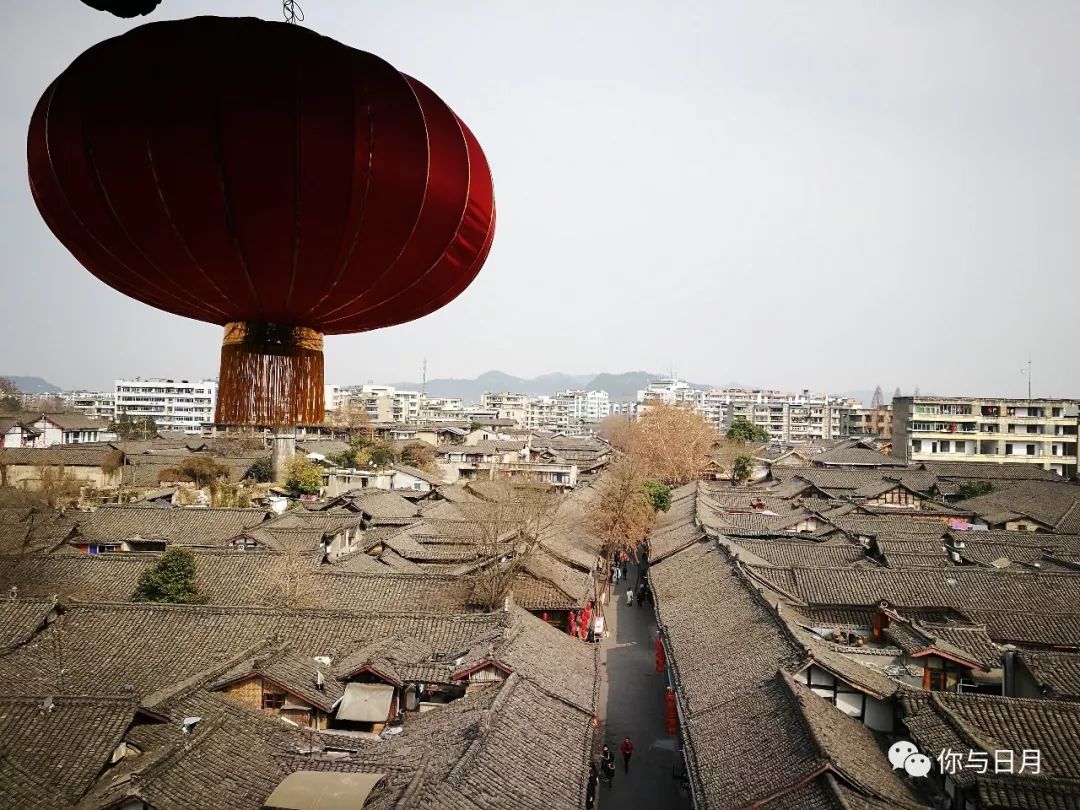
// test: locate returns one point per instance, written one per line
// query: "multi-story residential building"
(101, 405)
(384, 403)
(441, 409)
(989, 430)
(586, 406)
(506, 405)
(540, 414)
(788, 417)
(871, 421)
(669, 390)
(172, 404)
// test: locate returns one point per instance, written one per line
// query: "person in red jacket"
(627, 749)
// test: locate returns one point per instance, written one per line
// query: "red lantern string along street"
(265, 178)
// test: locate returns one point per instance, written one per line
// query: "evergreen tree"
(171, 579)
(658, 494)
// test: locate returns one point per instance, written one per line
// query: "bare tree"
(510, 523)
(622, 515)
(617, 429)
(672, 443)
(9, 396)
(352, 419)
(58, 486)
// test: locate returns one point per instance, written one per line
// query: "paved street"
(632, 704)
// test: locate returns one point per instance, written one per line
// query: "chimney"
(1008, 665)
(283, 449)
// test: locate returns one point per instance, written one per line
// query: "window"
(916, 445)
(1008, 449)
(273, 700)
(1031, 449)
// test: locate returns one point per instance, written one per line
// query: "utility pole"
(423, 381)
(1028, 375)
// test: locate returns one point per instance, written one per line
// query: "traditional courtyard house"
(1043, 674)
(32, 469)
(116, 527)
(952, 656)
(855, 456)
(863, 693)
(18, 432)
(413, 483)
(724, 691)
(338, 481)
(1029, 506)
(57, 745)
(342, 531)
(67, 428)
(32, 529)
(280, 682)
(1031, 747)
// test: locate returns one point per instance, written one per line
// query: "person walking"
(590, 790)
(642, 588)
(627, 749)
(607, 764)
(629, 596)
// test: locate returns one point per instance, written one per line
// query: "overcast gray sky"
(802, 194)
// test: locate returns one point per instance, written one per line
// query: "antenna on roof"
(1027, 371)
(878, 402)
(423, 380)
(48, 705)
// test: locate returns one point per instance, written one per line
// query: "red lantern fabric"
(240, 171)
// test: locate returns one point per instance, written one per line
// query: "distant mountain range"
(33, 385)
(620, 387)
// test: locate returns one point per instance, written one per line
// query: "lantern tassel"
(271, 375)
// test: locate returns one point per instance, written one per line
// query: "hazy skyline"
(823, 195)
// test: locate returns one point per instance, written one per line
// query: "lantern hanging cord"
(292, 11)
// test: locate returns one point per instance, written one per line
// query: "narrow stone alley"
(632, 705)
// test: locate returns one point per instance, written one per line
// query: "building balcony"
(995, 458)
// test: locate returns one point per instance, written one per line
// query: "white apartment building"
(789, 417)
(172, 404)
(505, 405)
(669, 390)
(441, 409)
(988, 430)
(587, 406)
(335, 397)
(540, 414)
(384, 403)
(101, 405)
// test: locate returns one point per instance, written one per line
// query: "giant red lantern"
(262, 177)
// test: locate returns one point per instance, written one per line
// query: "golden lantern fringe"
(271, 375)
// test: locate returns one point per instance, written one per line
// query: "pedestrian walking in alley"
(642, 589)
(629, 596)
(627, 749)
(590, 790)
(607, 764)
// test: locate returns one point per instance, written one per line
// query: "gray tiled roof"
(987, 723)
(59, 752)
(186, 526)
(1056, 505)
(1057, 672)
